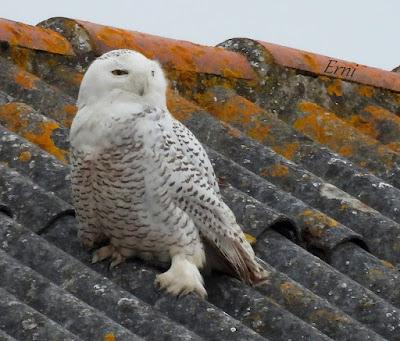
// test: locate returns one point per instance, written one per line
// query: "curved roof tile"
(32, 37)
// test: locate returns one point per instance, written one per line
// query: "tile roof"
(307, 151)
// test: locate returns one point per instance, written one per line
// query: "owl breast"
(115, 193)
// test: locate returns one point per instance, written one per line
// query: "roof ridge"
(34, 37)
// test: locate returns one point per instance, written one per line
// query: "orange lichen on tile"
(70, 110)
(44, 140)
(287, 150)
(26, 79)
(361, 123)
(11, 115)
(344, 206)
(315, 122)
(110, 337)
(277, 170)
(376, 274)
(77, 78)
(387, 158)
(371, 120)
(388, 265)
(346, 151)
(250, 118)
(232, 131)
(177, 54)
(335, 88)
(259, 131)
(366, 91)
(238, 111)
(379, 113)
(396, 97)
(180, 108)
(317, 221)
(25, 156)
(22, 57)
(329, 315)
(292, 293)
(15, 117)
(227, 110)
(328, 129)
(395, 146)
(34, 37)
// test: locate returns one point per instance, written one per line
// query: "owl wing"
(193, 190)
(194, 150)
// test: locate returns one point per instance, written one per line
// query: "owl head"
(124, 71)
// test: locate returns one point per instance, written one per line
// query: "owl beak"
(140, 85)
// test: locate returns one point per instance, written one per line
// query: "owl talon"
(116, 259)
(103, 253)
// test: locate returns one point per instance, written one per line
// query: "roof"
(306, 149)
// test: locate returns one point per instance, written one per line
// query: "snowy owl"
(143, 182)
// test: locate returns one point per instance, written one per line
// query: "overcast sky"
(366, 32)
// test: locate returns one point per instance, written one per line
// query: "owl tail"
(245, 264)
(236, 258)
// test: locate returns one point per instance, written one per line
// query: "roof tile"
(32, 37)
(177, 54)
(332, 67)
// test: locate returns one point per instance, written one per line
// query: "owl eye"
(119, 72)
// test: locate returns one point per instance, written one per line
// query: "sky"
(365, 32)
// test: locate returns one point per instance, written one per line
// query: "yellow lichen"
(277, 170)
(288, 150)
(326, 128)
(251, 239)
(43, 138)
(314, 219)
(366, 91)
(388, 265)
(110, 337)
(26, 80)
(292, 293)
(71, 111)
(180, 108)
(25, 156)
(335, 88)
(329, 315)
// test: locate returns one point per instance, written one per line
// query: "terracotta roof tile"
(332, 67)
(32, 37)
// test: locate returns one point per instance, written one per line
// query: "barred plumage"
(141, 179)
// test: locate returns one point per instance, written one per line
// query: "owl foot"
(182, 278)
(103, 253)
(116, 259)
(106, 252)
